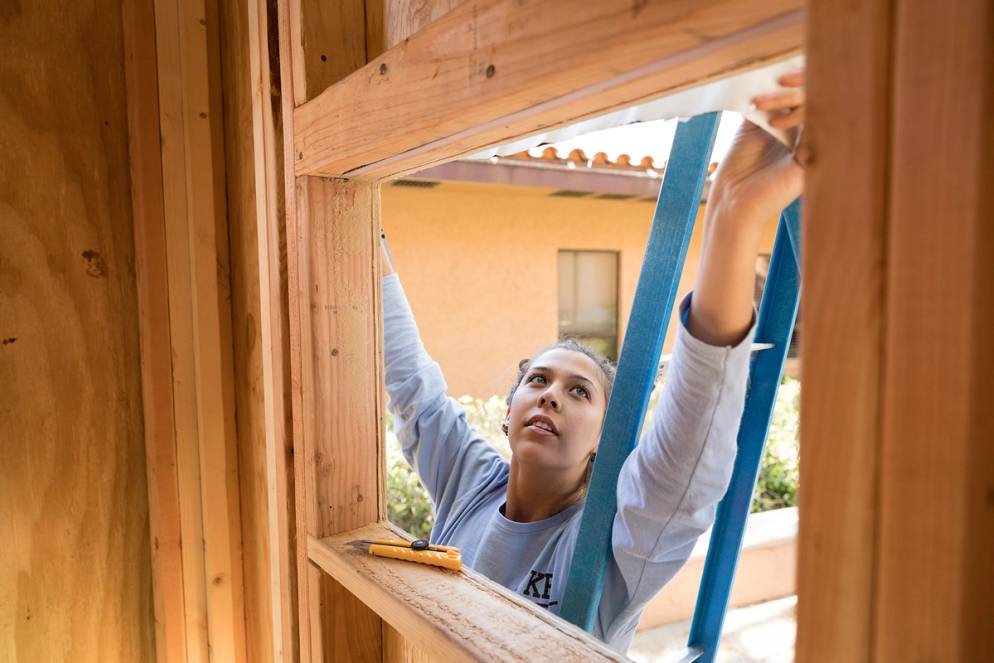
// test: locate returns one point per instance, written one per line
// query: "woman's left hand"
(756, 180)
(759, 175)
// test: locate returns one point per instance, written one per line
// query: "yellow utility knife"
(419, 551)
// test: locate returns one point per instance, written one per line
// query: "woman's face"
(556, 413)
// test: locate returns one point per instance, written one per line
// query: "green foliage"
(776, 486)
(410, 508)
(408, 504)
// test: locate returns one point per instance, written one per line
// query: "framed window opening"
(399, 113)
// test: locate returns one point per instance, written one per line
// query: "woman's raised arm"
(756, 180)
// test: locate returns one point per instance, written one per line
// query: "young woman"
(517, 522)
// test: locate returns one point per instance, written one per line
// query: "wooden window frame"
(504, 70)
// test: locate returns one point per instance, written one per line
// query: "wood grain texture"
(326, 42)
(75, 566)
(405, 18)
(937, 481)
(844, 298)
(398, 649)
(492, 70)
(187, 35)
(253, 169)
(454, 616)
(340, 442)
(152, 279)
(334, 35)
(328, 491)
(340, 378)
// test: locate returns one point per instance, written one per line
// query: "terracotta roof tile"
(600, 160)
(578, 156)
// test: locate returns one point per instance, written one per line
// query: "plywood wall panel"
(75, 570)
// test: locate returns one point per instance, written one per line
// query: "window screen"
(588, 299)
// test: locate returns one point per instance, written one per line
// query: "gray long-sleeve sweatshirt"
(668, 488)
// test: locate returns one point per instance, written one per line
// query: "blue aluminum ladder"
(669, 238)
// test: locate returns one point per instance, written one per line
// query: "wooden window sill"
(454, 616)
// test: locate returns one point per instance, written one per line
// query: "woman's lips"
(541, 431)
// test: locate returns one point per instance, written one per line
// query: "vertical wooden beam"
(199, 316)
(339, 439)
(253, 170)
(937, 481)
(844, 289)
(165, 526)
(897, 514)
(336, 371)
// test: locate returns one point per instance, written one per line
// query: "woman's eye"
(537, 377)
(582, 391)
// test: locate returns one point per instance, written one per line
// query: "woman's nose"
(549, 398)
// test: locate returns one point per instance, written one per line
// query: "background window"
(588, 299)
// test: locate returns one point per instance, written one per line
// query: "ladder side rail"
(778, 313)
(666, 250)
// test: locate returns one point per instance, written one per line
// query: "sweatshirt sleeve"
(449, 455)
(670, 485)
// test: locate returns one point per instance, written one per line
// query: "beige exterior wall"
(479, 265)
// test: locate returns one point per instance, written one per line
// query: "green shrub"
(408, 504)
(776, 485)
(409, 507)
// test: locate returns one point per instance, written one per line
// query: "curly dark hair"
(603, 363)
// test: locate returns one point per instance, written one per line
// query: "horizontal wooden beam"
(493, 70)
(456, 616)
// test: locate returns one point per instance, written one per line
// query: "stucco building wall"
(479, 265)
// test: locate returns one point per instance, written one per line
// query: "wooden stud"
(935, 564)
(844, 281)
(165, 533)
(340, 437)
(258, 274)
(494, 70)
(314, 235)
(897, 520)
(196, 242)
